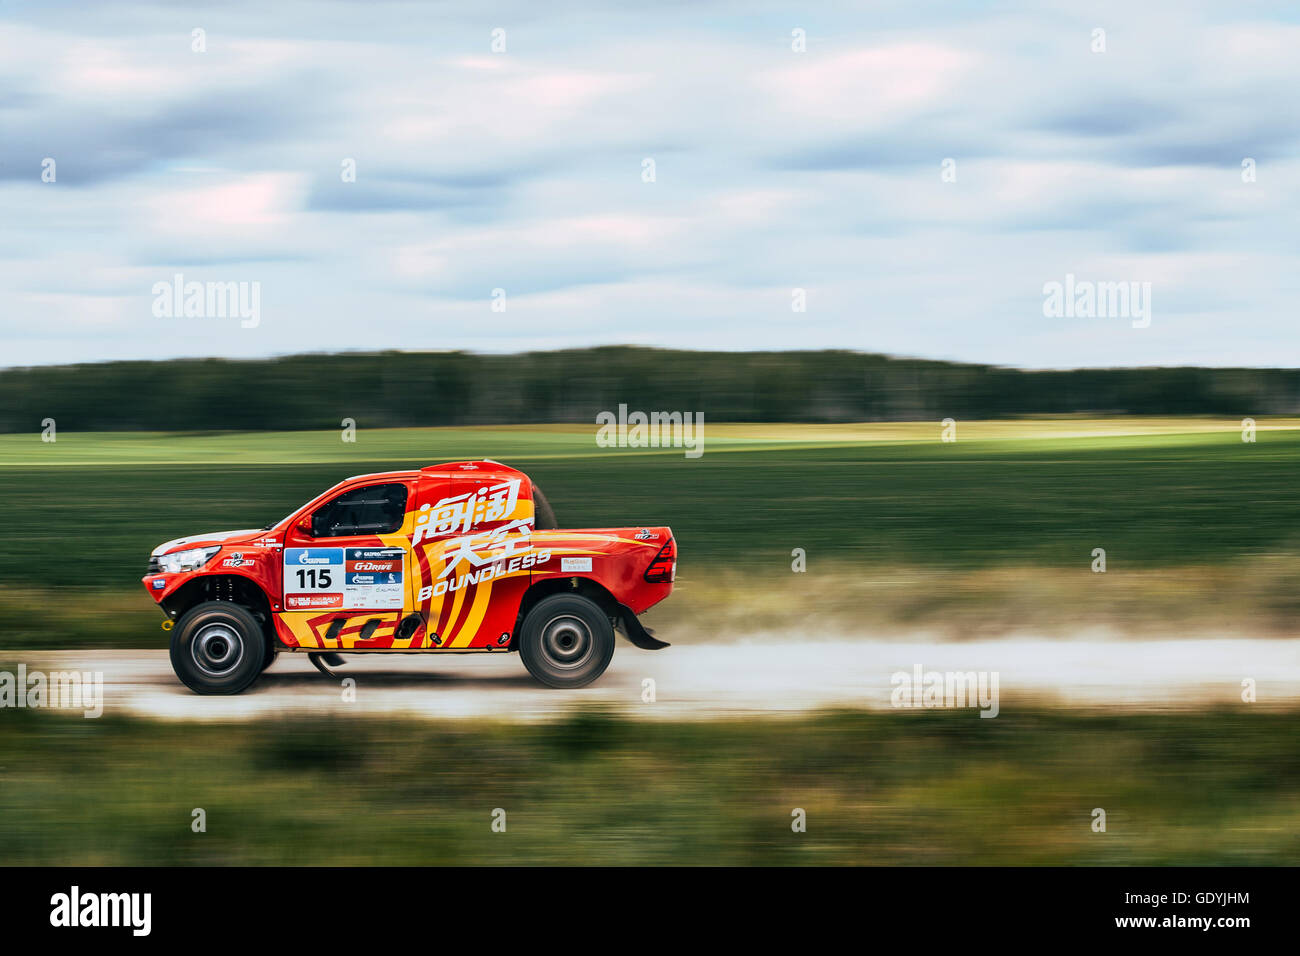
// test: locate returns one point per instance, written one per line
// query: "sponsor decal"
(375, 554)
(311, 601)
(237, 560)
(313, 577)
(374, 578)
(461, 513)
(375, 566)
(575, 564)
(159, 584)
(357, 578)
(313, 556)
(501, 569)
(499, 542)
(645, 534)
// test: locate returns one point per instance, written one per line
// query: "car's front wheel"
(218, 648)
(566, 641)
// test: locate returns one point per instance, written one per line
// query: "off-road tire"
(566, 640)
(218, 647)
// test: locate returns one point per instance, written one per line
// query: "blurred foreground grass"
(924, 787)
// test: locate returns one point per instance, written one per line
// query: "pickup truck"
(452, 558)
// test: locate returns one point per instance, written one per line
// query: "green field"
(1035, 496)
(937, 787)
(902, 531)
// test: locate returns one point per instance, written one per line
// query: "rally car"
(452, 558)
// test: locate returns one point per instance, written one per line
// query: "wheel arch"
(235, 588)
(586, 587)
(619, 614)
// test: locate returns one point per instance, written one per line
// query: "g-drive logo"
(74, 909)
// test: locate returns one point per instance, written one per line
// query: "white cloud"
(871, 85)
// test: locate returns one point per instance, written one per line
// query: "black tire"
(218, 648)
(566, 641)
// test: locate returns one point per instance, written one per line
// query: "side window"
(372, 509)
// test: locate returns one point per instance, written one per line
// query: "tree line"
(392, 389)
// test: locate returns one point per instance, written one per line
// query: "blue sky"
(775, 170)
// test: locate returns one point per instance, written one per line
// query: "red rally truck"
(452, 558)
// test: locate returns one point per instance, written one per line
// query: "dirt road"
(698, 681)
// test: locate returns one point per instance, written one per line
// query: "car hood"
(199, 540)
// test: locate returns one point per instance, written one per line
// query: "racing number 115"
(314, 578)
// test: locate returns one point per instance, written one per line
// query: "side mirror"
(303, 524)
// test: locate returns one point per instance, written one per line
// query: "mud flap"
(634, 632)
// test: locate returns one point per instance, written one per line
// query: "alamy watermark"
(651, 430)
(76, 908)
(179, 299)
(919, 688)
(72, 690)
(1086, 299)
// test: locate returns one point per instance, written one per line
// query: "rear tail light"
(663, 569)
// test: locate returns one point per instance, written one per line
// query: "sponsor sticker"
(575, 564)
(355, 578)
(313, 577)
(462, 513)
(312, 557)
(374, 578)
(312, 601)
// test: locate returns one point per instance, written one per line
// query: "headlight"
(190, 560)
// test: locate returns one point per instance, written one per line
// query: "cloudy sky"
(775, 169)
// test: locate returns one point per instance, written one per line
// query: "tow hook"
(168, 624)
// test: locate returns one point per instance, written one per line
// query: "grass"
(425, 445)
(933, 787)
(1153, 500)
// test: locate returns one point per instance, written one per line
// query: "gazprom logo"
(314, 556)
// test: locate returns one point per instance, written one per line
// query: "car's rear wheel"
(218, 648)
(566, 641)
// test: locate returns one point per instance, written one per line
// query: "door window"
(371, 509)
